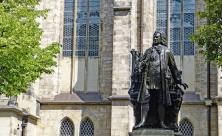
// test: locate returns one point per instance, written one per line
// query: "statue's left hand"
(179, 90)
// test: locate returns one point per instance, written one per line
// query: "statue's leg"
(144, 112)
(161, 112)
(153, 117)
(137, 112)
(174, 111)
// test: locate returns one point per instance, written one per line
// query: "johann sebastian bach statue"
(154, 92)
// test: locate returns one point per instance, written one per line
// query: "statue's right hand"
(185, 86)
(133, 51)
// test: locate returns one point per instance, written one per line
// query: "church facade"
(87, 95)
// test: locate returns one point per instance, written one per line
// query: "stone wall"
(197, 115)
(6, 128)
(48, 85)
(219, 118)
(149, 22)
(121, 66)
(28, 103)
(11, 124)
(52, 115)
(121, 118)
(214, 121)
(121, 48)
(106, 47)
(200, 65)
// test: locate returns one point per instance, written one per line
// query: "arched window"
(81, 42)
(66, 127)
(186, 128)
(68, 32)
(87, 128)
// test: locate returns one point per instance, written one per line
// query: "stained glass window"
(175, 27)
(87, 27)
(162, 15)
(189, 13)
(180, 32)
(87, 128)
(87, 37)
(66, 128)
(186, 128)
(68, 27)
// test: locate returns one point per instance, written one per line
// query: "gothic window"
(162, 15)
(182, 15)
(81, 42)
(66, 127)
(188, 15)
(68, 27)
(86, 22)
(186, 128)
(87, 128)
(87, 38)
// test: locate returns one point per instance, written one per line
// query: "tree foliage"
(209, 35)
(22, 60)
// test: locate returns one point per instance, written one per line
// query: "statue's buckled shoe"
(174, 127)
(162, 125)
(140, 125)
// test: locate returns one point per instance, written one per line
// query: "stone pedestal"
(152, 132)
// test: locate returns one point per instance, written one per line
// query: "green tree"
(22, 60)
(209, 36)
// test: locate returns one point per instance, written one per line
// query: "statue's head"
(159, 37)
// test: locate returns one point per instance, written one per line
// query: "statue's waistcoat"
(153, 75)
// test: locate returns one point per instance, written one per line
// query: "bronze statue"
(154, 92)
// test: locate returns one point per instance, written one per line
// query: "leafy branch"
(22, 60)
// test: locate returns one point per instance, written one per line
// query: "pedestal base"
(153, 132)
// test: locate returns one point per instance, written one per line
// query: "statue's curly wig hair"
(162, 36)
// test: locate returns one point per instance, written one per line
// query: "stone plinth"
(152, 132)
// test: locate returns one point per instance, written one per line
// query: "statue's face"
(157, 38)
